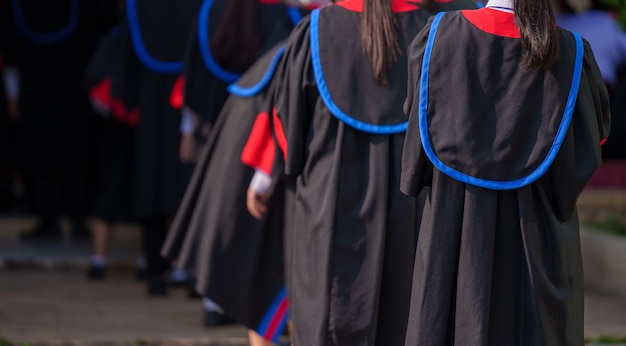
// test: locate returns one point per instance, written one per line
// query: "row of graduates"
(46, 146)
(457, 226)
(482, 249)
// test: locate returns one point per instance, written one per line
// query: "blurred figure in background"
(115, 153)
(229, 37)
(12, 189)
(597, 24)
(154, 34)
(47, 49)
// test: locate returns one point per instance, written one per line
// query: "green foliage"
(610, 340)
(614, 224)
(618, 7)
(5, 342)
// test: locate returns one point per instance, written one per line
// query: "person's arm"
(11, 81)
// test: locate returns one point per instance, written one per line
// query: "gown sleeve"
(416, 168)
(580, 153)
(598, 91)
(294, 98)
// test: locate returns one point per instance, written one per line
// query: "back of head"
(236, 41)
(540, 41)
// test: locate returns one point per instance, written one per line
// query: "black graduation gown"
(237, 259)
(205, 80)
(5, 134)
(354, 233)
(154, 35)
(115, 151)
(498, 258)
(50, 42)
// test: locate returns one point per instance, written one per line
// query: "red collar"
(396, 5)
(493, 21)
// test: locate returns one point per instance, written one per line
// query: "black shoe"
(157, 286)
(96, 273)
(214, 319)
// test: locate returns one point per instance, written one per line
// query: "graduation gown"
(237, 259)
(154, 35)
(504, 154)
(50, 42)
(354, 233)
(205, 80)
(115, 150)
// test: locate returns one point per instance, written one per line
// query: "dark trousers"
(154, 231)
(52, 190)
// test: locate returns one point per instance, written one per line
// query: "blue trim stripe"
(205, 47)
(140, 49)
(47, 38)
(269, 315)
(267, 77)
(294, 15)
(325, 94)
(485, 183)
(479, 4)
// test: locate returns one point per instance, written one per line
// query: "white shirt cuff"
(11, 80)
(188, 121)
(261, 183)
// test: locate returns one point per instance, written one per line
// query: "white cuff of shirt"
(188, 121)
(261, 183)
(11, 80)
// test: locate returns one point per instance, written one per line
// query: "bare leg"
(101, 233)
(101, 237)
(257, 340)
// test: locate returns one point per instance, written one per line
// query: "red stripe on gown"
(177, 96)
(277, 319)
(259, 150)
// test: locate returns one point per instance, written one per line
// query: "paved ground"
(63, 306)
(44, 300)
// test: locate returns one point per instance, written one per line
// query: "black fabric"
(615, 146)
(113, 187)
(105, 60)
(342, 57)
(253, 76)
(354, 233)
(509, 146)
(55, 125)
(237, 259)
(158, 178)
(499, 267)
(53, 113)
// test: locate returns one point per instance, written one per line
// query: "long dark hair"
(236, 41)
(379, 35)
(540, 40)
